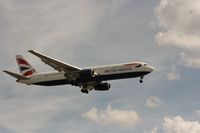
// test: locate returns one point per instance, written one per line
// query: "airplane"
(90, 78)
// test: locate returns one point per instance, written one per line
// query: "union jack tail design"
(24, 67)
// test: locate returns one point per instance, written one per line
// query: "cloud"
(178, 39)
(197, 112)
(109, 116)
(190, 61)
(154, 130)
(179, 125)
(153, 102)
(173, 75)
(22, 116)
(179, 21)
(53, 25)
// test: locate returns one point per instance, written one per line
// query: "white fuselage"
(101, 73)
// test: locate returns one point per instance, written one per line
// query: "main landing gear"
(84, 91)
(141, 79)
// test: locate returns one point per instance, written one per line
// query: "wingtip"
(5, 71)
(30, 51)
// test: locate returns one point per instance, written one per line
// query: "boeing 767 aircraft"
(87, 78)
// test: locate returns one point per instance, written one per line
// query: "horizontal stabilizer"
(17, 76)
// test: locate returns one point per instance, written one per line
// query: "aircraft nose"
(151, 68)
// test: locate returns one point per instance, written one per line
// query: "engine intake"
(87, 73)
(102, 87)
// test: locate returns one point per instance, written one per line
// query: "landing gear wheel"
(84, 91)
(141, 79)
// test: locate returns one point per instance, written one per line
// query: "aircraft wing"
(56, 64)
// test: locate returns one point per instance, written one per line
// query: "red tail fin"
(24, 67)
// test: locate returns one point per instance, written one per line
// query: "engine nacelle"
(87, 73)
(102, 87)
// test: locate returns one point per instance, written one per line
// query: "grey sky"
(87, 33)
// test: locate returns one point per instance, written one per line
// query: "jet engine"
(86, 73)
(102, 86)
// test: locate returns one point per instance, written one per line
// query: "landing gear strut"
(141, 79)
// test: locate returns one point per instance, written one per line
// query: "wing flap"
(17, 76)
(56, 64)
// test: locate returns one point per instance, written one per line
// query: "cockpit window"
(145, 64)
(139, 65)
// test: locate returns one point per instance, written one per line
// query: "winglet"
(17, 76)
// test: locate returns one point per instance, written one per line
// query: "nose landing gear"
(141, 79)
